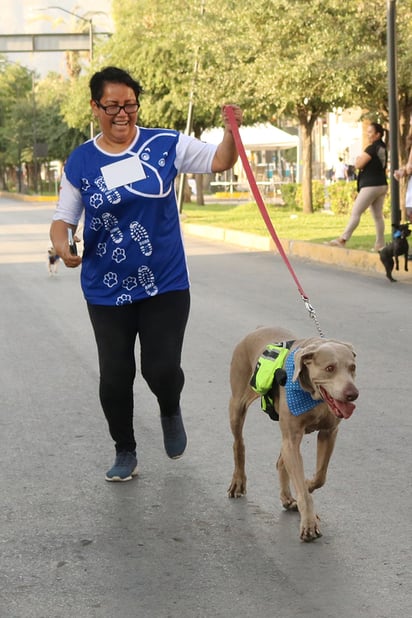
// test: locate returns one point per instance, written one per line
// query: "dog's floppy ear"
(350, 346)
(302, 357)
(346, 344)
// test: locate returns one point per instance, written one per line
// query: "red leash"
(263, 210)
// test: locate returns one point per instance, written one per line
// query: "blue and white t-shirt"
(133, 247)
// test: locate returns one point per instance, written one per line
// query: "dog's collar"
(298, 400)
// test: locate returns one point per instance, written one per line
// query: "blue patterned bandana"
(299, 401)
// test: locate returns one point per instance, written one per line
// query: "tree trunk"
(200, 199)
(306, 124)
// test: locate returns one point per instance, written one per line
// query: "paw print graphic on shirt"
(147, 280)
(101, 249)
(140, 235)
(110, 279)
(119, 255)
(96, 224)
(85, 184)
(129, 283)
(96, 200)
(111, 224)
(124, 299)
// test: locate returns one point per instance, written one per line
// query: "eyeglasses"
(113, 110)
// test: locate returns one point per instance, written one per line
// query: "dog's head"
(326, 369)
(401, 230)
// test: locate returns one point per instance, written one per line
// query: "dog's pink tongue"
(345, 408)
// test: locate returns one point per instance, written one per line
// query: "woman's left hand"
(237, 113)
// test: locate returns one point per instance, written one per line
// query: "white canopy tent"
(257, 140)
(256, 137)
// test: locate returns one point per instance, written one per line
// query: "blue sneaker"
(174, 435)
(124, 467)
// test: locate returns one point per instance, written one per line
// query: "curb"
(28, 198)
(364, 261)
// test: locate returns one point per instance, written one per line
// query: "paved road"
(171, 544)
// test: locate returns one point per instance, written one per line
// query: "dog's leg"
(325, 445)
(237, 410)
(309, 521)
(288, 501)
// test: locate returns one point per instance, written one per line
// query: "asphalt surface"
(170, 543)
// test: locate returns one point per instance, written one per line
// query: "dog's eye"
(352, 368)
(330, 368)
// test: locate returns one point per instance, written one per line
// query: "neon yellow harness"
(269, 373)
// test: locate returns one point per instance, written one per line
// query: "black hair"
(113, 75)
(378, 129)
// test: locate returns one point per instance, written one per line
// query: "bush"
(288, 192)
(338, 195)
(341, 196)
(318, 196)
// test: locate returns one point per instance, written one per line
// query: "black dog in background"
(390, 254)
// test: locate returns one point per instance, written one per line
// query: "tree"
(16, 134)
(288, 58)
(52, 128)
(269, 57)
(31, 115)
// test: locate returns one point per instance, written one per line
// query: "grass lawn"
(317, 227)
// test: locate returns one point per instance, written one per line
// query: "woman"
(134, 275)
(372, 187)
(406, 172)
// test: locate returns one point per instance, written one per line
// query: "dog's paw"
(309, 530)
(237, 488)
(289, 503)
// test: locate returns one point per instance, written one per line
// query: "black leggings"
(160, 322)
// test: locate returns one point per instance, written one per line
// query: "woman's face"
(372, 134)
(118, 128)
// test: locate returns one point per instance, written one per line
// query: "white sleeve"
(69, 206)
(194, 156)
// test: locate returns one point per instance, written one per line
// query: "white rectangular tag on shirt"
(123, 172)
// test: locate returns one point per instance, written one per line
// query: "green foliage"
(31, 114)
(341, 196)
(318, 195)
(283, 59)
(337, 197)
(75, 106)
(51, 125)
(288, 192)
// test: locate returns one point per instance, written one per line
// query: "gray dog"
(317, 394)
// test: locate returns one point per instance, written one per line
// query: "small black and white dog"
(52, 261)
(390, 254)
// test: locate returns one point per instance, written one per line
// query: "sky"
(23, 17)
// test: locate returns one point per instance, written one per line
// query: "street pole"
(393, 110)
(189, 125)
(91, 61)
(189, 122)
(34, 133)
